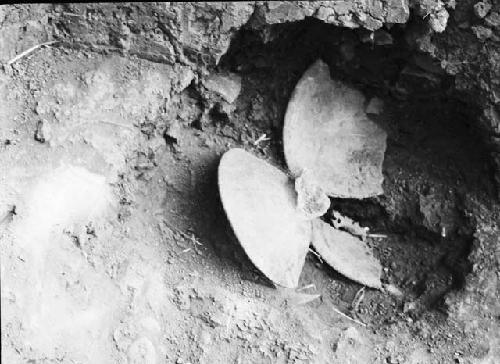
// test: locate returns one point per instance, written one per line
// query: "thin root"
(29, 50)
(377, 236)
(262, 138)
(348, 317)
(316, 255)
(312, 285)
(185, 236)
(358, 298)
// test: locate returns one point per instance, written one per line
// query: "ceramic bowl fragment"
(327, 130)
(346, 254)
(312, 202)
(260, 203)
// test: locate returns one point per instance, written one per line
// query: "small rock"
(172, 133)
(482, 8)
(226, 85)
(482, 33)
(493, 20)
(393, 290)
(391, 360)
(42, 133)
(409, 306)
(342, 222)
(375, 106)
(438, 20)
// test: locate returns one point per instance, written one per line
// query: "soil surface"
(114, 245)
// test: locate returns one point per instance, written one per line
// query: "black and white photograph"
(261, 182)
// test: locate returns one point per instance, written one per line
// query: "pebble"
(226, 85)
(438, 20)
(375, 106)
(482, 8)
(482, 33)
(493, 20)
(42, 133)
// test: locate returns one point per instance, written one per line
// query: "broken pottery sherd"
(260, 203)
(346, 254)
(327, 131)
(311, 200)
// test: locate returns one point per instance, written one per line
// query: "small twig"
(185, 251)
(348, 317)
(316, 255)
(358, 297)
(342, 222)
(312, 285)
(377, 236)
(28, 51)
(261, 139)
(191, 237)
(72, 14)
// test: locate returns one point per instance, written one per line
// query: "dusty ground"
(115, 247)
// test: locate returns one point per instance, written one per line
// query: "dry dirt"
(115, 249)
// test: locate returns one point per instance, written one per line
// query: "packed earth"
(115, 246)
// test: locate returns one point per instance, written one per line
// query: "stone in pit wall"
(351, 14)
